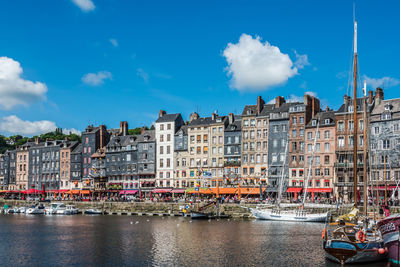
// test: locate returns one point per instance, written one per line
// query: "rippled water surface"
(157, 241)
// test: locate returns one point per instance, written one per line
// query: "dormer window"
(219, 120)
(314, 122)
(388, 107)
(327, 121)
(351, 108)
(131, 139)
(233, 128)
(386, 116)
(249, 112)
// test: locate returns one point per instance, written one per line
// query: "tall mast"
(365, 145)
(355, 122)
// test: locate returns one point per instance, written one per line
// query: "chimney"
(37, 140)
(370, 96)
(378, 95)
(193, 116)
(161, 113)
(315, 105)
(103, 133)
(279, 100)
(142, 130)
(231, 118)
(213, 116)
(345, 99)
(260, 104)
(123, 128)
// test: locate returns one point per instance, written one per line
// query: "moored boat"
(38, 209)
(389, 228)
(93, 212)
(288, 215)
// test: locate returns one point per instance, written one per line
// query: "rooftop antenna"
(365, 88)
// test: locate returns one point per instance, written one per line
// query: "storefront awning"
(294, 189)
(32, 191)
(85, 192)
(319, 190)
(178, 191)
(128, 192)
(162, 190)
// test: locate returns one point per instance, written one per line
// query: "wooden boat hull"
(198, 216)
(288, 216)
(347, 252)
(389, 228)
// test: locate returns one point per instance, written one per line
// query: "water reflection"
(138, 241)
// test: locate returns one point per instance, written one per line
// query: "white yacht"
(68, 210)
(38, 209)
(54, 208)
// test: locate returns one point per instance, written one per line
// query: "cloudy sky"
(70, 63)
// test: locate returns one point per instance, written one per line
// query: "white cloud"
(256, 66)
(16, 91)
(95, 79)
(382, 82)
(142, 74)
(114, 42)
(14, 125)
(85, 5)
(72, 130)
(301, 60)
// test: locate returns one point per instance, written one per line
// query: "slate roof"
(380, 108)
(169, 117)
(183, 128)
(344, 107)
(207, 121)
(322, 116)
(237, 124)
(77, 150)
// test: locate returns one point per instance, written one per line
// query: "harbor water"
(38, 240)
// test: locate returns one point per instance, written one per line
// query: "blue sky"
(103, 61)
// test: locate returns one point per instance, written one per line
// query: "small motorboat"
(54, 208)
(93, 212)
(38, 209)
(22, 210)
(68, 210)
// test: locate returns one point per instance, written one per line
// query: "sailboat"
(354, 238)
(296, 215)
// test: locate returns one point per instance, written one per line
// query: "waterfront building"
(166, 127)
(93, 139)
(66, 148)
(344, 182)
(384, 139)
(216, 149)
(181, 156)
(146, 143)
(2, 170)
(10, 174)
(121, 162)
(198, 144)
(76, 168)
(300, 115)
(322, 171)
(278, 155)
(232, 149)
(255, 135)
(22, 166)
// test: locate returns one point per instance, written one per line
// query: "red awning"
(159, 190)
(32, 191)
(128, 192)
(178, 191)
(389, 187)
(294, 189)
(319, 190)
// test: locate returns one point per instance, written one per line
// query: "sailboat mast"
(365, 143)
(355, 122)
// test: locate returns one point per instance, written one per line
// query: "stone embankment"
(143, 208)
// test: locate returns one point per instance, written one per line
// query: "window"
(275, 143)
(351, 141)
(386, 144)
(327, 147)
(327, 134)
(301, 132)
(340, 126)
(301, 120)
(351, 125)
(246, 123)
(161, 138)
(169, 126)
(294, 120)
(294, 133)
(168, 149)
(326, 160)
(314, 122)
(168, 163)
(340, 141)
(294, 146)
(276, 128)
(326, 173)
(284, 127)
(376, 130)
(168, 137)
(205, 138)
(309, 135)
(161, 150)
(252, 122)
(309, 147)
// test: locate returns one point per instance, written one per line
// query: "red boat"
(389, 228)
